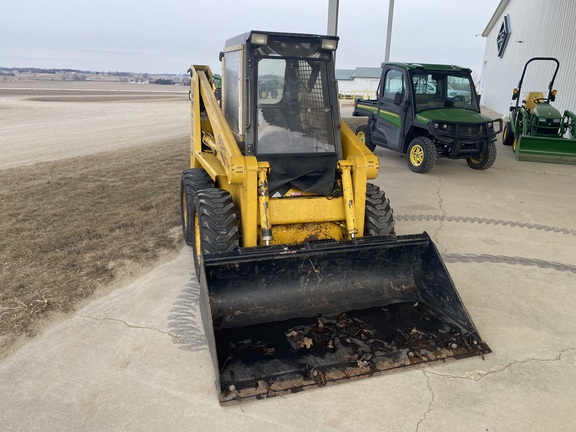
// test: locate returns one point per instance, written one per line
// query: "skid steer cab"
(428, 111)
(303, 281)
(536, 130)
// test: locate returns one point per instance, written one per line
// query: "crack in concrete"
(479, 375)
(444, 215)
(136, 326)
(430, 405)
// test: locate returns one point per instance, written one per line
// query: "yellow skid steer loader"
(303, 280)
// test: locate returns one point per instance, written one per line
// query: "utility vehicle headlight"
(557, 121)
(542, 120)
(442, 126)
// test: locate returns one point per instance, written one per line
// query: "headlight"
(542, 120)
(259, 39)
(442, 126)
(557, 121)
(329, 44)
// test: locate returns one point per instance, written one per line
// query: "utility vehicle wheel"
(215, 224)
(193, 180)
(484, 160)
(507, 135)
(421, 155)
(379, 219)
(364, 133)
(263, 94)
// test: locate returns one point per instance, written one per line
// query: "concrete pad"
(137, 359)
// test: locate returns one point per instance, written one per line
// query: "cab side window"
(393, 84)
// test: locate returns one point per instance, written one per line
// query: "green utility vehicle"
(536, 130)
(428, 111)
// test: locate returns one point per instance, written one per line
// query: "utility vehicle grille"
(471, 131)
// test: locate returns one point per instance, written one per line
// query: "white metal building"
(518, 31)
(361, 82)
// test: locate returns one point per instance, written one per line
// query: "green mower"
(536, 130)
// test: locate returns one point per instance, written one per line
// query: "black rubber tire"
(193, 180)
(215, 224)
(379, 216)
(364, 133)
(421, 155)
(507, 135)
(484, 160)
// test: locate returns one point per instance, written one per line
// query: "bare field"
(51, 120)
(89, 194)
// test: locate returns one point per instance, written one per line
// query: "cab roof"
(428, 66)
(245, 37)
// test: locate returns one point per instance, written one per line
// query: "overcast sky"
(167, 36)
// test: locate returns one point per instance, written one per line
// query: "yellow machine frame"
(292, 219)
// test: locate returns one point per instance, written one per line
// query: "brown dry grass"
(69, 227)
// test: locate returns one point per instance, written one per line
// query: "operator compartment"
(291, 115)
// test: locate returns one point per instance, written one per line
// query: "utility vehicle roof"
(427, 66)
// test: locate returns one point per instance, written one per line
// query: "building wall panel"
(539, 28)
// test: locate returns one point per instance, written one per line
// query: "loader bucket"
(545, 149)
(284, 319)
